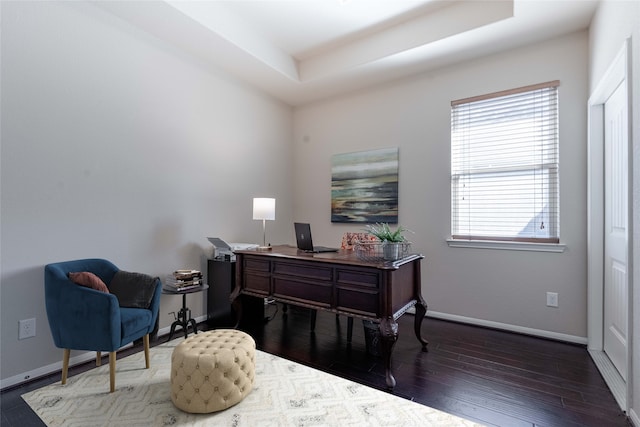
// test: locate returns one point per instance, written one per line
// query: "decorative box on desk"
(221, 277)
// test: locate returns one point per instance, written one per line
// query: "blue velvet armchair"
(82, 318)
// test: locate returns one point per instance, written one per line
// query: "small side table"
(184, 315)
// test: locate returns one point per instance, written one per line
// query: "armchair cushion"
(134, 323)
(133, 290)
(88, 279)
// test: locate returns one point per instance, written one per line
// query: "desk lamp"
(264, 209)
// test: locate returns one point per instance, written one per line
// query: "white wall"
(497, 287)
(613, 23)
(116, 145)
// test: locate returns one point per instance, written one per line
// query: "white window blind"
(504, 166)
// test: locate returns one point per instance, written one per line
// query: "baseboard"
(507, 327)
(76, 360)
(634, 417)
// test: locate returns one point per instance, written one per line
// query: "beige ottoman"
(212, 370)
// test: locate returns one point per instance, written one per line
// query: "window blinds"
(504, 165)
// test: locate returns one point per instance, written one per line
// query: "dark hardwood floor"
(492, 377)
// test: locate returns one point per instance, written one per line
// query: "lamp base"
(264, 248)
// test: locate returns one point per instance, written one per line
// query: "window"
(504, 166)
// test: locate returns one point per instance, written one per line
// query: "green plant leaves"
(383, 232)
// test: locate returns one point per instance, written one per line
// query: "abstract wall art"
(364, 186)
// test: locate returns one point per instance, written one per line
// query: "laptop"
(304, 241)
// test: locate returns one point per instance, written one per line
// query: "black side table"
(184, 315)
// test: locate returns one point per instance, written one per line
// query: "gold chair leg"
(112, 371)
(98, 358)
(65, 364)
(145, 339)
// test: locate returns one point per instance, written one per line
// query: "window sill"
(510, 246)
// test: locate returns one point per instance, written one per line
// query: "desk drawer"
(312, 293)
(361, 301)
(320, 273)
(256, 264)
(369, 279)
(257, 282)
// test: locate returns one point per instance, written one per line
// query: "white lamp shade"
(264, 208)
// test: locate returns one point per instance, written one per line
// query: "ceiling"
(301, 51)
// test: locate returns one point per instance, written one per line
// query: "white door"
(616, 282)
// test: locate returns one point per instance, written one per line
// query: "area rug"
(285, 394)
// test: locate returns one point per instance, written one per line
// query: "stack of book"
(182, 280)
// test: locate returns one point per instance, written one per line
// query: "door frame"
(618, 72)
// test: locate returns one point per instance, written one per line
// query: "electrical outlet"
(552, 299)
(26, 328)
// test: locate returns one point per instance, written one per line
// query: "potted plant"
(393, 241)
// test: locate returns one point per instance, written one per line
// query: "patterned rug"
(285, 394)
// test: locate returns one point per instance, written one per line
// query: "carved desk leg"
(421, 310)
(388, 337)
(420, 307)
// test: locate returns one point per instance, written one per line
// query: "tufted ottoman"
(212, 370)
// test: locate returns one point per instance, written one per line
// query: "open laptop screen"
(304, 240)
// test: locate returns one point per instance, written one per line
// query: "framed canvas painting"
(364, 186)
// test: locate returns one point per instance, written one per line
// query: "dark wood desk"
(338, 282)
